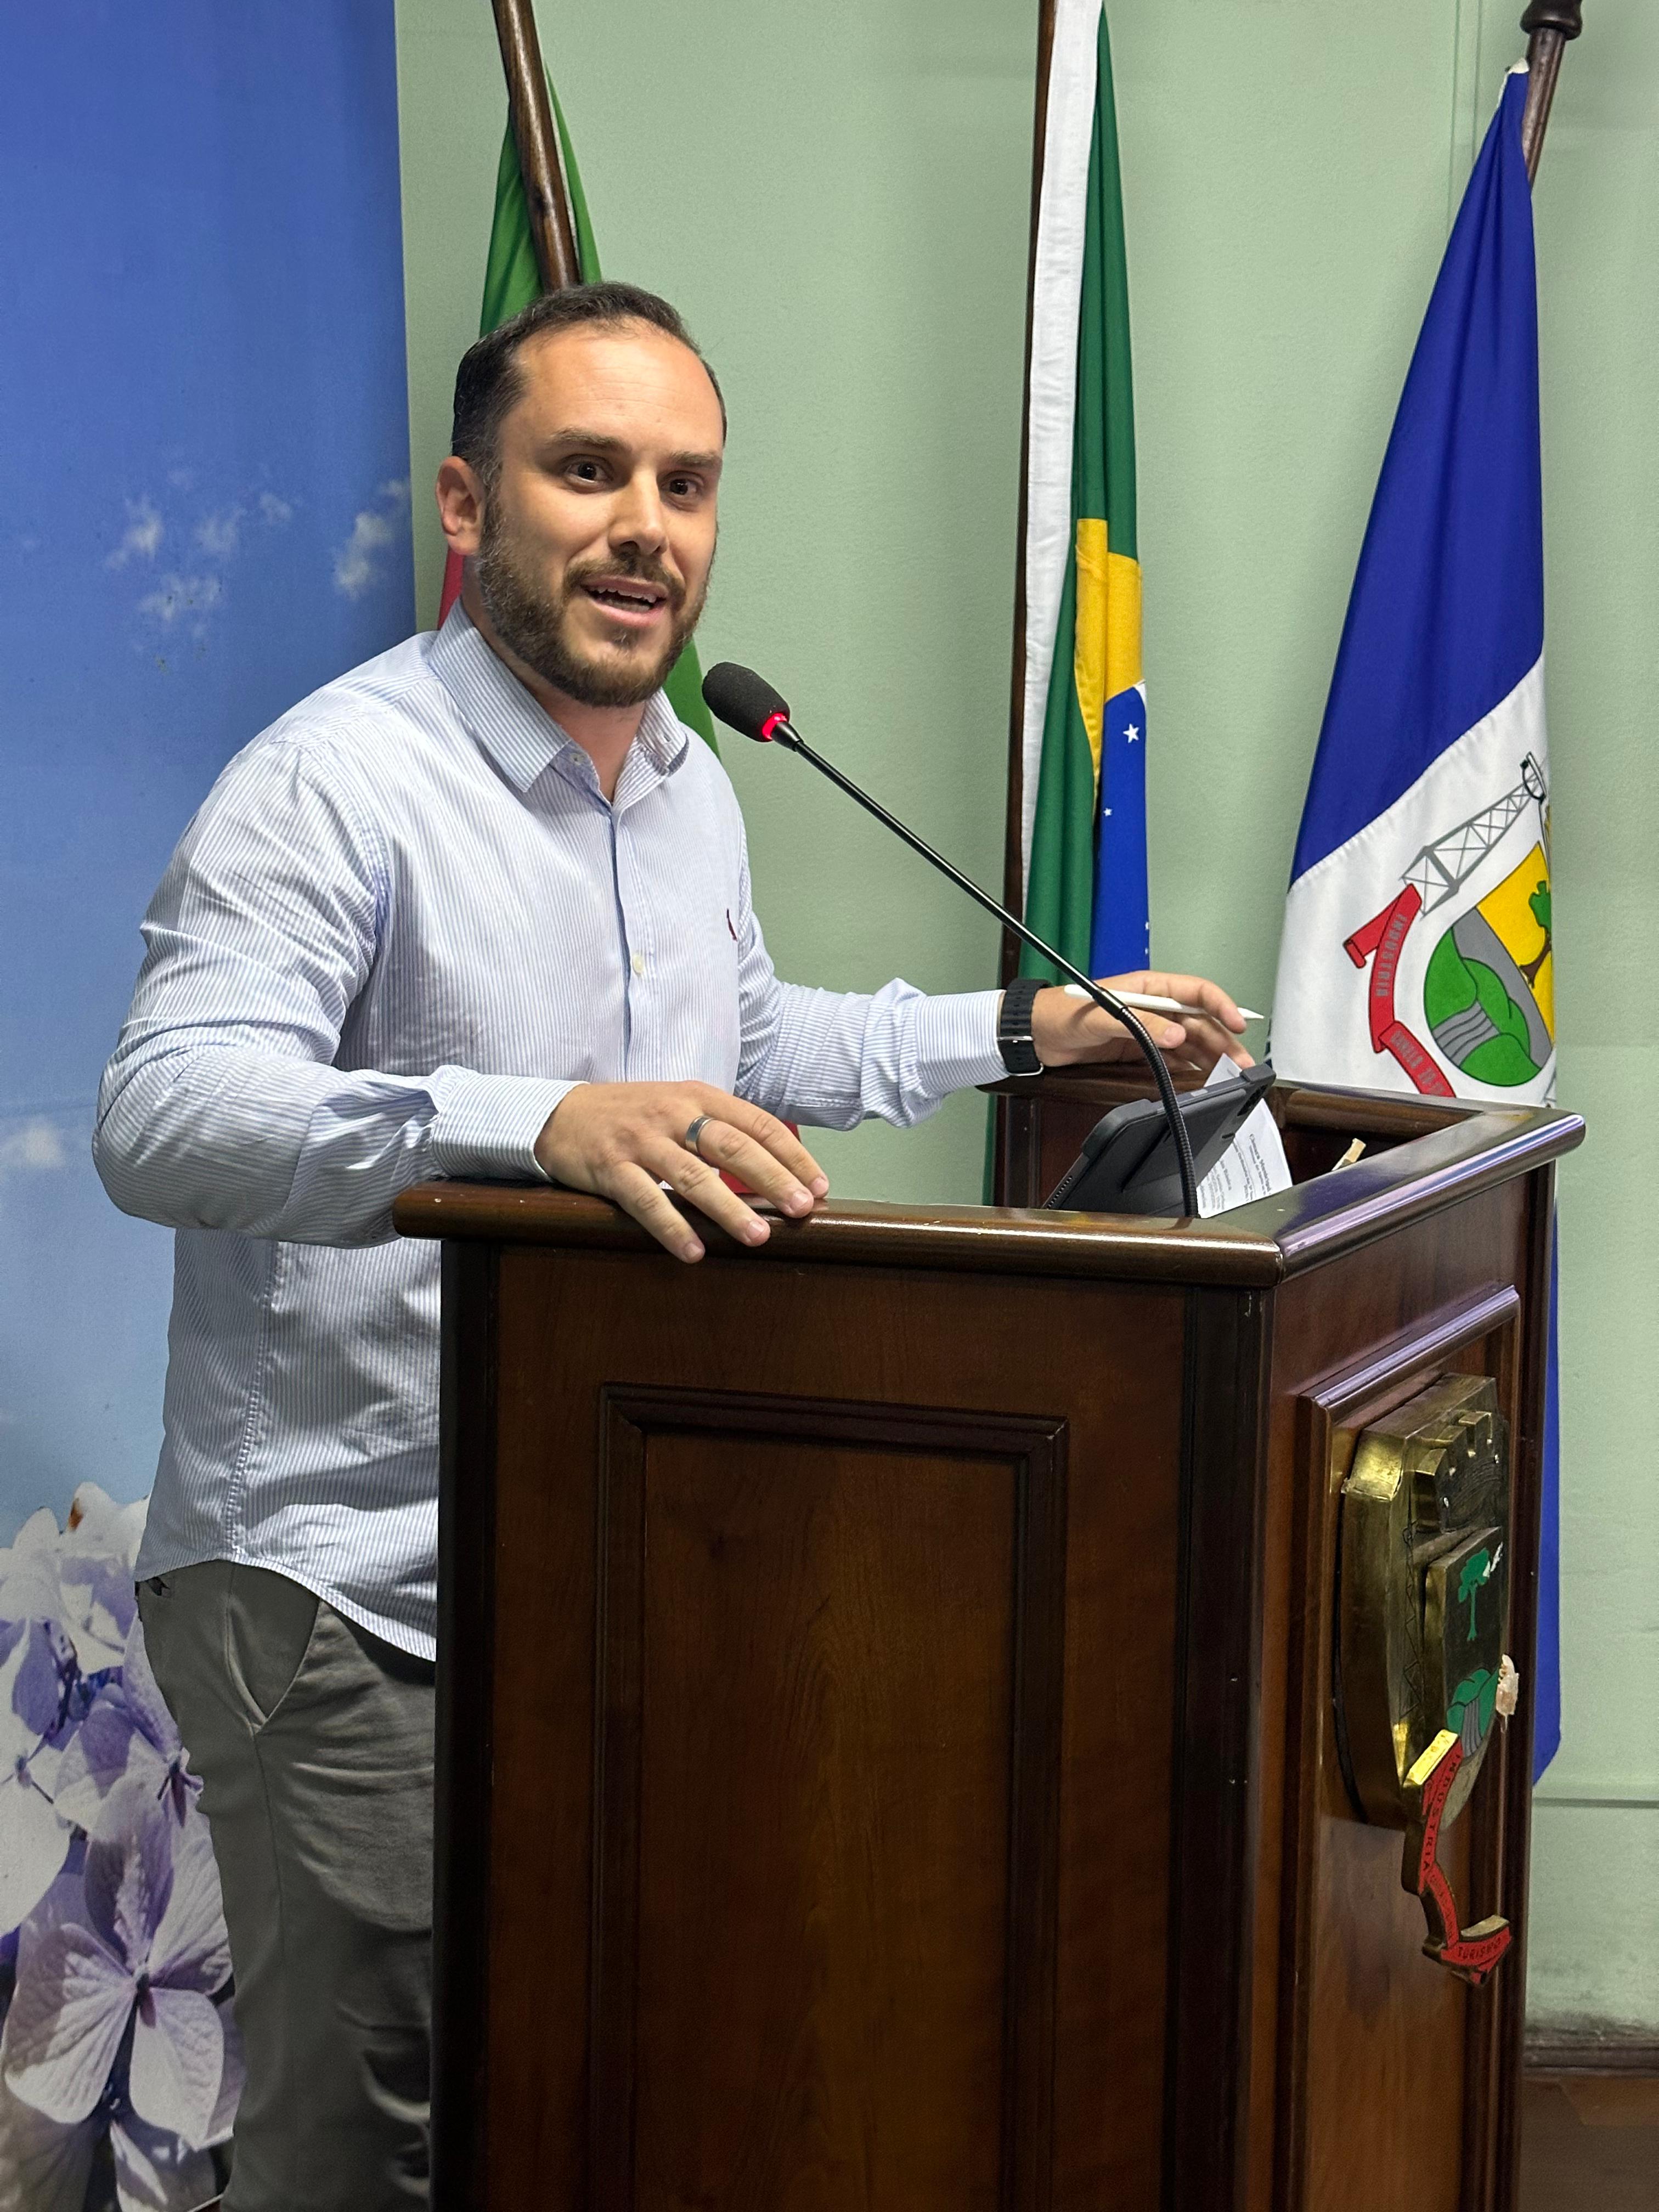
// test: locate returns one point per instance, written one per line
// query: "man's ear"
(461, 505)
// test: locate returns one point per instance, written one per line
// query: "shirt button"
(639, 964)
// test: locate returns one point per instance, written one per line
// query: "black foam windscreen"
(743, 700)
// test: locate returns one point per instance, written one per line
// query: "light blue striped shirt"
(404, 923)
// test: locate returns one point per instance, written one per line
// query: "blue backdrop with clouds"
(201, 380)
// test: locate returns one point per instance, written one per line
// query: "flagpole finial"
(1566, 16)
(1548, 25)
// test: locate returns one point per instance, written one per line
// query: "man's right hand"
(624, 1141)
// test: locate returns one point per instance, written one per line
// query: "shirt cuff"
(953, 1042)
(488, 1125)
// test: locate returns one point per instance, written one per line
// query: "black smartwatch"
(1014, 1039)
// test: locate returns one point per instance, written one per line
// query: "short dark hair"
(489, 385)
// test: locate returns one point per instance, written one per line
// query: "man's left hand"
(1065, 1029)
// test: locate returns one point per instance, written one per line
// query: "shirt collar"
(513, 726)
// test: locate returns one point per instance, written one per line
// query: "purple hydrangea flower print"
(111, 2160)
(67, 1615)
(46, 2166)
(38, 1676)
(29, 1588)
(119, 2061)
(82, 1577)
(127, 1729)
(96, 1555)
(135, 1980)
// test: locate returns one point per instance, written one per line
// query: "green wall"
(837, 198)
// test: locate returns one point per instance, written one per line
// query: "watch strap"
(1014, 1039)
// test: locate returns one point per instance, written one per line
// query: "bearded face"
(592, 532)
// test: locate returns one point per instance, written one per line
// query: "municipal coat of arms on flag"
(1418, 945)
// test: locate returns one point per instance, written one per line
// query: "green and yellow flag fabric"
(512, 281)
(1083, 734)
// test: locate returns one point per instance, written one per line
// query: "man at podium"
(479, 908)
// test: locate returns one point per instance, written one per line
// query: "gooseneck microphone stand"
(776, 728)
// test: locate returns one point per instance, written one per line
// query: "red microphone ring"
(770, 724)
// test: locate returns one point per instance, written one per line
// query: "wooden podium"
(892, 1755)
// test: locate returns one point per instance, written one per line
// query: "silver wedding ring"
(695, 1132)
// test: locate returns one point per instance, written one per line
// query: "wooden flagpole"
(541, 162)
(541, 172)
(1011, 1117)
(1548, 24)
(1013, 876)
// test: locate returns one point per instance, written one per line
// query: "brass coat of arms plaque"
(1423, 1621)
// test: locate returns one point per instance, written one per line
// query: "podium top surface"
(1450, 1154)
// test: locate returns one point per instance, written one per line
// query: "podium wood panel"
(887, 1745)
(773, 1868)
(776, 1612)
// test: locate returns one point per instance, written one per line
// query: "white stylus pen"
(1149, 1002)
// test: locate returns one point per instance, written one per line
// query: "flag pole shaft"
(1548, 24)
(1013, 871)
(541, 163)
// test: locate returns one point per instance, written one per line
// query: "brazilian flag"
(512, 281)
(1084, 753)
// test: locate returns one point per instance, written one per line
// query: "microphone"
(747, 703)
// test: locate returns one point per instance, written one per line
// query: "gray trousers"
(313, 1741)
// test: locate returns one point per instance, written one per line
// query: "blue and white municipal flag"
(1417, 946)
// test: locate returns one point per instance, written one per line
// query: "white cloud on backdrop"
(29, 1146)
(357, 564)
(181, 595)
(178, 596)
(35, 1146)
(144, 533)
(217, 533)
